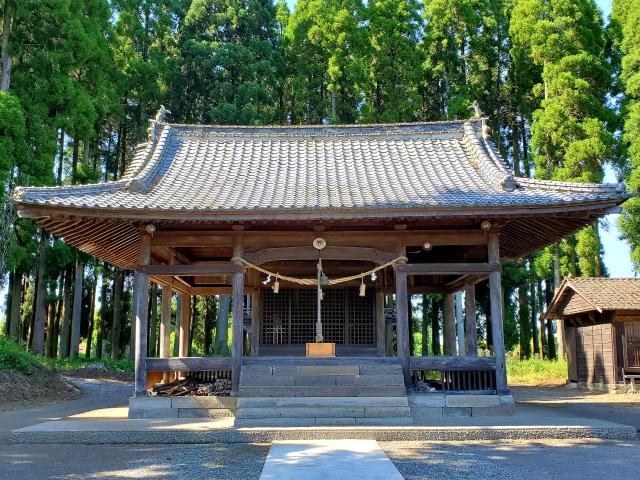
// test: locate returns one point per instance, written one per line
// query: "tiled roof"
(608, 293)
(216, 170)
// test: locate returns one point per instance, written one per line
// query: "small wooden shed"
(602, 324)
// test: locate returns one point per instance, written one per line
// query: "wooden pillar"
(402, 327)
(380, 323)
(450, 347)
(237, 320)
(256, 319)
(495, 295)
(142, 313)
(165, 322)
(460, 323)
(471, 333)
(185, 325)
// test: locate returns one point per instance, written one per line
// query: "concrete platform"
(531, 423)
(324, 459)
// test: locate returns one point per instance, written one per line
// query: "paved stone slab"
(204, 413)
(204, 402)
(329, 370)
(456, 411)
(427, 400)
(328, 459)
(300, 412)
(149, 402)
(472, 401)
(338, 401)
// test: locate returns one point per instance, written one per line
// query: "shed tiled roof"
(218, 170)
(608, 293)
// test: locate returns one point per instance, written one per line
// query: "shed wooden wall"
(594, 354)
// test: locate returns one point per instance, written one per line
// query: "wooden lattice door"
(288, 317)
(631, 345)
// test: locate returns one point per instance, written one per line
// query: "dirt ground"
(614, 407)
(43, 385)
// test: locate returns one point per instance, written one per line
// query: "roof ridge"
(573, 186)
(354, 126)
(149, 169)
(490, 167)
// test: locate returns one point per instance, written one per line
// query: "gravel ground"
(531, 460)
(108, 462)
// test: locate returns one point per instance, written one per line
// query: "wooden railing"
(188, 364)
(457, 374)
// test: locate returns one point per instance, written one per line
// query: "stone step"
(323, 412)
(255, 402)
(320, 380)
(293, 369)
(283, 422)
(322, 391)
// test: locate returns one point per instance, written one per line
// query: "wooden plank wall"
(594, 354)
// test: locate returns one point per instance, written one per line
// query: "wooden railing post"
(495, 294)
(142, 313)
(237, 321)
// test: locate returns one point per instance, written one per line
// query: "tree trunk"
(58, 316)
(76, 316)
(102, 319)
(523, 318)
(7, 322)
(533, 308)
(65, 331)
(556, 281)
(435, 326)
(222, 327)
(16, 306)
(210, 313)
(543, 336)
(60, 156)
(551, 343)
(194, 322)
(92, 310)
(37, 343)
(74, 160)
(411, 326)
(117, 313)
(6, 61)
(425, 325)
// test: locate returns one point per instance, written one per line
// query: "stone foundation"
(424, 407)
(182, 407)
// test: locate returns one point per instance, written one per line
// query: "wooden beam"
(495, 296)
(464, 362)
(310, 253)
(257, 238)
(188, 364)
(446, 268)
(211, 268)
(142, 314)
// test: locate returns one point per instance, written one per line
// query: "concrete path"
(328, 459)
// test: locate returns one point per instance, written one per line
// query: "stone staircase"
(304, 392)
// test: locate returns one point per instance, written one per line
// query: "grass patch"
(66, 364)
(15, 357)
(536, 372)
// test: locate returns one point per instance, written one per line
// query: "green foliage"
(229, 63)
(325, 45)
(535, 371)
(393, 60)
(14, 356)
(626, 24)
(121, 365)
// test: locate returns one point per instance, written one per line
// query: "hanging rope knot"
(310, 282)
